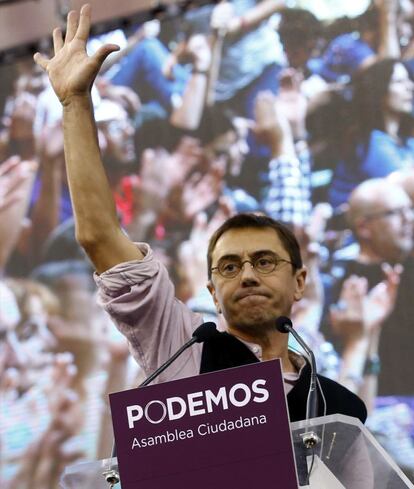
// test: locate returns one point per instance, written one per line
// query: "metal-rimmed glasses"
(263, 264)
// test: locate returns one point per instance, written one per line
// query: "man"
(255, 268)
(381, 217)
(380, 214)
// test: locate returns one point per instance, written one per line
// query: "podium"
(346, 456)
(230, 429)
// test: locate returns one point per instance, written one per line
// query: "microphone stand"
(310, 438)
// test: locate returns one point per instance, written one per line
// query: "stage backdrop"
(206, 112)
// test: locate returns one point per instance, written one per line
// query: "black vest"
(226, 351)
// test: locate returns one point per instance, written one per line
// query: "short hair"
(257, 221)
(299, 25)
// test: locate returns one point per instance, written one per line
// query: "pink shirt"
(139, 296)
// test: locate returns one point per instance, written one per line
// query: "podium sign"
(222, 429)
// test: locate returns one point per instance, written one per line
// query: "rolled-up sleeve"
(139, 297)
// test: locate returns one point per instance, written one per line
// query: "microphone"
(204, 332)
(284, 325)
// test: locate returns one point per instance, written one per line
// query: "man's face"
(389, 229)
(250, 302)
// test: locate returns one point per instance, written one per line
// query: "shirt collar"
(297, 360)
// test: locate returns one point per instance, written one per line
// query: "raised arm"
(389, 45)
(358, 321)
(223, 16)
(189, 112)
(16, 180)
(72, 72)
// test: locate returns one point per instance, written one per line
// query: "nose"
(248, 274)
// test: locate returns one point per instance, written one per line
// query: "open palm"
(71, 71)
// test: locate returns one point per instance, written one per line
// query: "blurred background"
(299, 109)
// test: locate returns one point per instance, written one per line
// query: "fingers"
(9, 164)
(392, 273)
(71, 26)
(41, 60)
(200, 221)
(84, 23)
(355, 286)
(57, 40)
(104, 51)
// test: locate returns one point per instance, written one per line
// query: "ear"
(362, 230)
(212, 290)
(300, 278)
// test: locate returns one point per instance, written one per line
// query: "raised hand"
(271, 125)
(381, 299)
(43, 460)
(222, 16)
(361, 313)
(192, 253)
(71, 71)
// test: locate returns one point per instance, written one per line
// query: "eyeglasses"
(230, 267)
(406, 211)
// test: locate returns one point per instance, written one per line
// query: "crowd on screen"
(243, 105)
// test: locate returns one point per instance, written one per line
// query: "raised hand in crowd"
(308, 311)
(192, 252)
(16, 180)
(187, 114)
(357, 319)
(185, 157)
(10, 357)
(46, 209)
(19, 124)
(161, 173)
(359, 312)
(202, 189)
(272, 126)
(292, 102)
(49, 143)
(389, 17)
(116, 366)
(43, 461)
(224, 18)
(79, 328)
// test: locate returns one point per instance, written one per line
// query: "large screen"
(303, 112)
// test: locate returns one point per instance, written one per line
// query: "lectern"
(230, 429)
